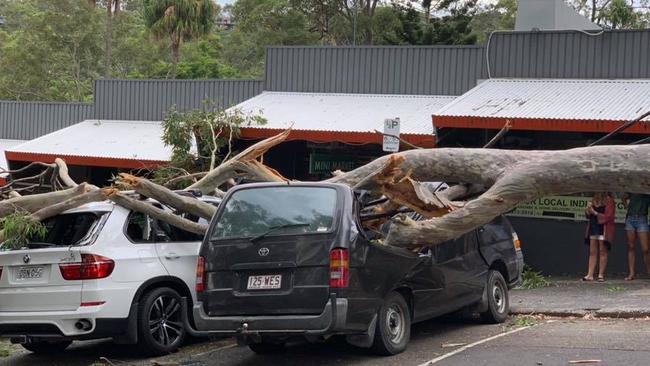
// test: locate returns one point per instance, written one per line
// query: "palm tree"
(180, 20)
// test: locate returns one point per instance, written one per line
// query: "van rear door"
(267, 251)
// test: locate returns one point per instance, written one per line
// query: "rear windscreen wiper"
(275, 228)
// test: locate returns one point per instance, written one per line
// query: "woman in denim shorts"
(636, 224)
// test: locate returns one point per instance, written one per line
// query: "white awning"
(349, 118)
(107, 143)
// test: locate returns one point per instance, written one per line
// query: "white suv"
(101, 271)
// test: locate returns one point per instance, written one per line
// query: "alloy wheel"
(165, 323)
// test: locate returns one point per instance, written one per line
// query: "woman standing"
(600, 233)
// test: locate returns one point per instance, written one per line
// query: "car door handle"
(172, 256)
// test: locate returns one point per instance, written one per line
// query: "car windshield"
(268, 211)
(67, 229)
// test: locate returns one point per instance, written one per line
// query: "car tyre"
(41, 347)
(393, 330)
(160, 323)
(498, 299)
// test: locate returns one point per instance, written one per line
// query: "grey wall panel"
(150, 99)
(28, 120)
(376, 70)
(571, 54)
(452, 70)
(556, 247)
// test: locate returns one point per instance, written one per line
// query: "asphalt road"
(434, 343)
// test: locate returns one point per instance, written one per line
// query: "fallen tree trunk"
(593, 169)
(167, 196)
(95, 195)
(480, 166)
(156, 213)
(35, 202)
(506, 178)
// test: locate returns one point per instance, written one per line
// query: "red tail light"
(339, 268)
(200, 275)
(0, 272)
(92, 267)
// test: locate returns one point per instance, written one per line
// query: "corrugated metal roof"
(5, 145)
(558, 99)
(130, 140)
(345, 112)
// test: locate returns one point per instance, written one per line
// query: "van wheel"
(498, 299)
(160, 324)
(265, 347)
(42, 347)
(393, 330)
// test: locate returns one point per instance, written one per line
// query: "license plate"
(29, 273)
(266, 282)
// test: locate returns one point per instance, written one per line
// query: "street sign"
(391, 127)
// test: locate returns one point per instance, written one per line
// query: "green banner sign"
(320, 163)
(561, 207)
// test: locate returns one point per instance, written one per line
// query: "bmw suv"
(100, 271)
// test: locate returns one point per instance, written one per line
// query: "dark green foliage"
(531, 279)
(178, 21)
(55, 49)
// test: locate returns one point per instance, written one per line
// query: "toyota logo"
(26, 258)
(263, 252)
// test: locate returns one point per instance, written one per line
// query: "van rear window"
(276, 211)
(68, 229)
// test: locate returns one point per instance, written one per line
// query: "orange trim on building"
(332, 136)
(85, 160)
(537, 124)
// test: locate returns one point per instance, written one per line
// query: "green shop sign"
(561, 207)
(326, 163)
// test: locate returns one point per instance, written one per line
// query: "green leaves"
(178, 20)
(18, 228)
(201, 139)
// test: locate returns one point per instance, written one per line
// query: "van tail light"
(92, 267)
(516, 241)
(200, 275)
(339, 268)
(0, 272)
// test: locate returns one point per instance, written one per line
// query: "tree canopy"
(54, 49)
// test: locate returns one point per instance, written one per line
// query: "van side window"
(138, 228)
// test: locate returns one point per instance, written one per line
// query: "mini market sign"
(561, 207)
(320, 163)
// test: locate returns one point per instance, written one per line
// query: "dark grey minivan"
(286, 260)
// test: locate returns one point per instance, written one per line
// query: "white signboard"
(391, 127)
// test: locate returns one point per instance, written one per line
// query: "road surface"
(520, 342)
